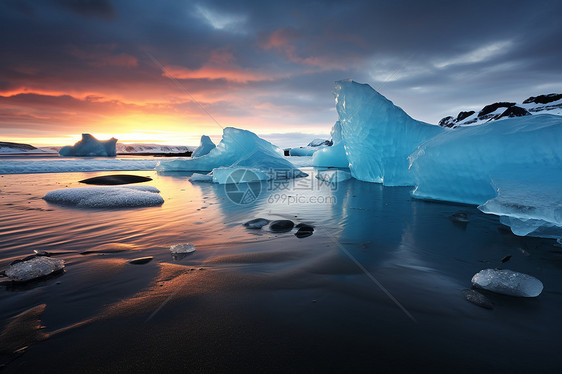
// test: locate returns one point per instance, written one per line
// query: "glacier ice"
(198, 177)
(531, 206)
(333, 156)
(182, 248)
(205, 147)
(106, 197)
(35, 267)
(238, 149)
(90, 146)
(462, 164)
(508, 282)
(378, 136)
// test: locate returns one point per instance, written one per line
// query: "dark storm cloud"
(432, 58)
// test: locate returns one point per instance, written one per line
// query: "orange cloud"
(236, 75)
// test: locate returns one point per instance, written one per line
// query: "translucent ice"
(462, 164)
(205, 147)
(508, 282)
(33, 268)
(377, 135)
(531, 206)
(90, 146)
(182, 248)
(238, 149)
(106, 197)
(197, 177)
(333, 156)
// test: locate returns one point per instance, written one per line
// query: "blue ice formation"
(464, 164)
(378, 136)
(90, 146)
(238, 149)
(205, 147)
(333, 156)
(530, 204)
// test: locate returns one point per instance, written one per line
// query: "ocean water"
(378, 286)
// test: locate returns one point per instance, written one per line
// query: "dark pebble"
(459, 217)
(282, 225)
(304, 232)
(300, 225)
(141, 260)
(109, 180)
(257, 223)
(477, 298)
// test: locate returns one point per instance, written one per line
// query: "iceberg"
(463, 164)
(90, 146)
(238, 149)
(333, 156)
(106, 197)
(507, 282)
(205, 147)
(377, 135)
(532, 206)
(33, 268)
(311, 148)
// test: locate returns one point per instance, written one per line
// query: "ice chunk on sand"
(106, 197)
(508, 282)
(182, 248)
(205, 147)
(378, 136)
(333, 176)
(462, 164)
(90, 146)
(238, 149)
(333, 156)
(36, 267)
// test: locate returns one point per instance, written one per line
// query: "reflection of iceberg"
(333, 156)
(90, 146)
(238, 149)
(205, 147)
(378, 136)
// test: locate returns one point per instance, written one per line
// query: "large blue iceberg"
(205, 147)
(89, 146)
(238, 149)
(377, 135)
(511, 167)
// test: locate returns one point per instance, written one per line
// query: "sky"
(169, 71)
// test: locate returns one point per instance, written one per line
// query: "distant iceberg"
(205, 147)
(311, 148)
(90, 146)
(238, 149)
(335, 155)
